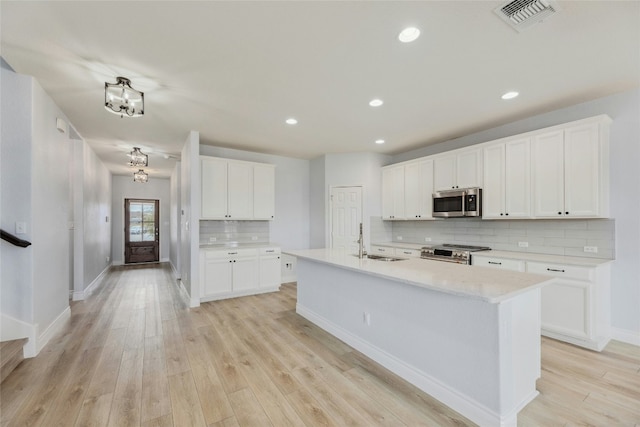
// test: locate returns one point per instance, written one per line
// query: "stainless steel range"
(460, 254)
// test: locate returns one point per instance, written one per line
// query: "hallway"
(135, 355)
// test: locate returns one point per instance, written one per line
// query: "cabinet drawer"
(559, 270)
(228, 253)
(501, 263)
(269, 251)
(382, 250)
(413, 253)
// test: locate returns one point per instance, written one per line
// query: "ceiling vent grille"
(521, 14)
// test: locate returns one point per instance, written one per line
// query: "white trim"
(13, 329)
(188, 299)
(174, 270)
(55, 327)
(84, 294)
(236, 294)
(626, 335)
(459, 402)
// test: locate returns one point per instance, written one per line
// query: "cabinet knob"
(507, 214)
(559, 213)
(501, 214)
(566, 213)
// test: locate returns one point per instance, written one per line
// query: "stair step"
(11, 355)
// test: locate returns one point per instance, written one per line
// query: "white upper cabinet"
(236, 190)
(507, 187)
(570, 169)
(264, 188)
(407, 190)
(418, 189)
(240, 190)
(213, 188)
(458, 169)
(393, 196)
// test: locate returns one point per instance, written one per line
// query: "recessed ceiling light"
(291, 121)
(409, 34)
(379, 141)
(510, 95)
(376, 102)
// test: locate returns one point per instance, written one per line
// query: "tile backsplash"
(233, 232)
(557, 237)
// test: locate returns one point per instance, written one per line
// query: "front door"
(141, 232)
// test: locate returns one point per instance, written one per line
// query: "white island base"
(480, 358)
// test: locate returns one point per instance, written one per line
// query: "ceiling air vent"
(521, 14)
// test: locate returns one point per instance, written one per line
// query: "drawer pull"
(555, 269)
(232, 253)
(381, 250)
(270, 250)
(493, 262)
(406, 252)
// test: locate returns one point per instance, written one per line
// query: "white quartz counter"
(487, 284)
(553, 259)
(223, 246)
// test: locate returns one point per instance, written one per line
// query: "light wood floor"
(135, 355)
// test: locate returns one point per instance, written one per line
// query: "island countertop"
(487, 284)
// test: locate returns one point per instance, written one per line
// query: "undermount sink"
(383, 258)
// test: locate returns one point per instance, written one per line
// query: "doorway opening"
(141, 231)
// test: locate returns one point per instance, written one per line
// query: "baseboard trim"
(176, 273)
(190, 301)
(626, 335)
(229, 295)
(84, 294)
(459, 402)
(55, 327)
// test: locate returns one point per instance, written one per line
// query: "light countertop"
(236, 245)
(484, 283)
(524, 256)
(553, 259)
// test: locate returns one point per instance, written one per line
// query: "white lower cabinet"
(236, 272)
(575, 307)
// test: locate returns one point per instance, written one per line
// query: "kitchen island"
(468, 336)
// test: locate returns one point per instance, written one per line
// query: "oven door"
(448, 204)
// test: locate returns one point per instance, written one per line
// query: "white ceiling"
(234, 71)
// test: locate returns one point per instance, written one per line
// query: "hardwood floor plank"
(175, 354)
(166, 421)
(95, 411)
(213, 399)
(185, 403)
(156, 399)
(126, 405)
(228, 422)
(248, 411)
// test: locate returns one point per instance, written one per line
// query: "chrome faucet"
(361, 252)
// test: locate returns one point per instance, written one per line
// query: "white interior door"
(346, 216)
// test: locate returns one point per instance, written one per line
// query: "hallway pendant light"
(138, 158)
(140, 176)
(120, 98)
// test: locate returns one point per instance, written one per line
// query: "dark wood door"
(141, 231)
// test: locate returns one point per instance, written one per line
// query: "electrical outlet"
(591, 249)
(523, 244)
(212, 239)
(398, 237)
(288, 266)
(427, 239)
(254, 238)
(108, 258)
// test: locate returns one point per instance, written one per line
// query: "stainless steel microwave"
(457, 203)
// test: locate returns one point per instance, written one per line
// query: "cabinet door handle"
(493, 262)
(556, 270)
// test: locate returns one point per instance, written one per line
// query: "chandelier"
(138, 158)
(140, 176)
(120, 98)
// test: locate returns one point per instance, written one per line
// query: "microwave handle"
(464, 202)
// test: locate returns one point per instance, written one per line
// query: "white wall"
(190, 217)
(174, 206)
(290, 227)
(154, 189)
(624, 109)
(317, 215)
(15, 190)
